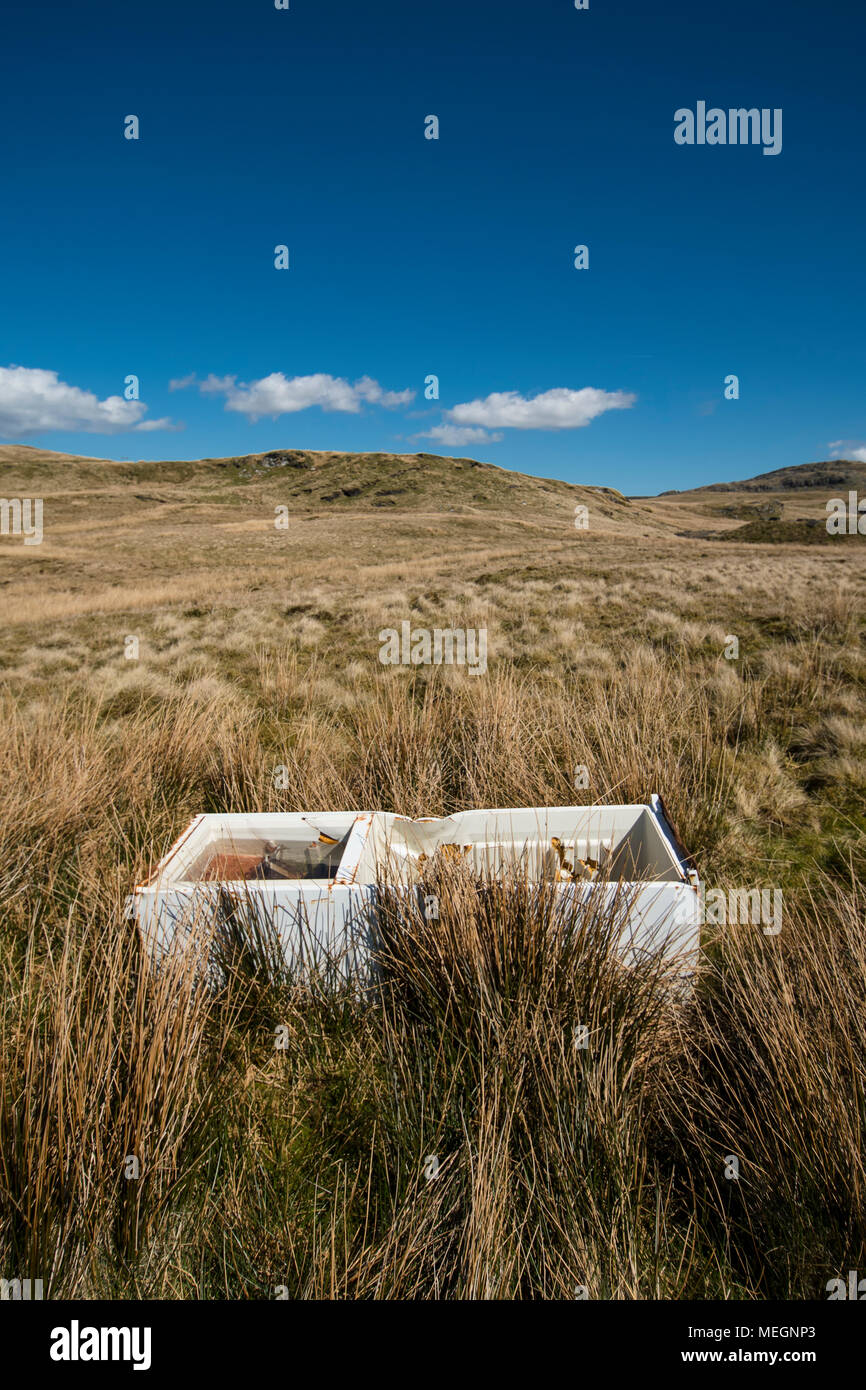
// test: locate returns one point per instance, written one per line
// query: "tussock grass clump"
(775, 1075)
(508, 1109)
(104, 1074)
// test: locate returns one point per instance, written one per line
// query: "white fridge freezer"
(316, 876)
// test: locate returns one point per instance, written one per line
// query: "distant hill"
(833, 473)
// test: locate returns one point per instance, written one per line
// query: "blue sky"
(455, 257)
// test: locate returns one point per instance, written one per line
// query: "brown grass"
(306, 1168)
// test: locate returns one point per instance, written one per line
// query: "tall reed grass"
(442, 1136)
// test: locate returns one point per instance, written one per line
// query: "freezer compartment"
(258, 849)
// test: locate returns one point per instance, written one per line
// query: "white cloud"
(164, 423)
(278, 394)
(557, 409)
(460, 434)
(370, 390)
(33, 400)
(848, 449)
(214, 385)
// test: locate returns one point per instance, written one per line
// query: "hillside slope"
(309, 479)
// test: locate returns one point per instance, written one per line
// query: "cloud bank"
(33, 400)
(278, 394)
(557, 409)
(560, 408)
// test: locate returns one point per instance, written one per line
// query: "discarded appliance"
(314, 878)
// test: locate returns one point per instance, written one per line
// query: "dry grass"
(306, 1168)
